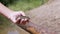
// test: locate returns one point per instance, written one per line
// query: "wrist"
(9, 14)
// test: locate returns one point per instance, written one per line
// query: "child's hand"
(14, 15)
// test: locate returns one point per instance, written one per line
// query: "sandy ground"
(47, 16)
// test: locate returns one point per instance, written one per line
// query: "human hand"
(14, 15)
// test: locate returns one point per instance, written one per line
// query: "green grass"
(4, 22)
(25, 5)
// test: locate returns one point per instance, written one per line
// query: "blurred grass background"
(23, 5)
(26, 4)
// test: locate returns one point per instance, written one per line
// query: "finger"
(23, 21)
